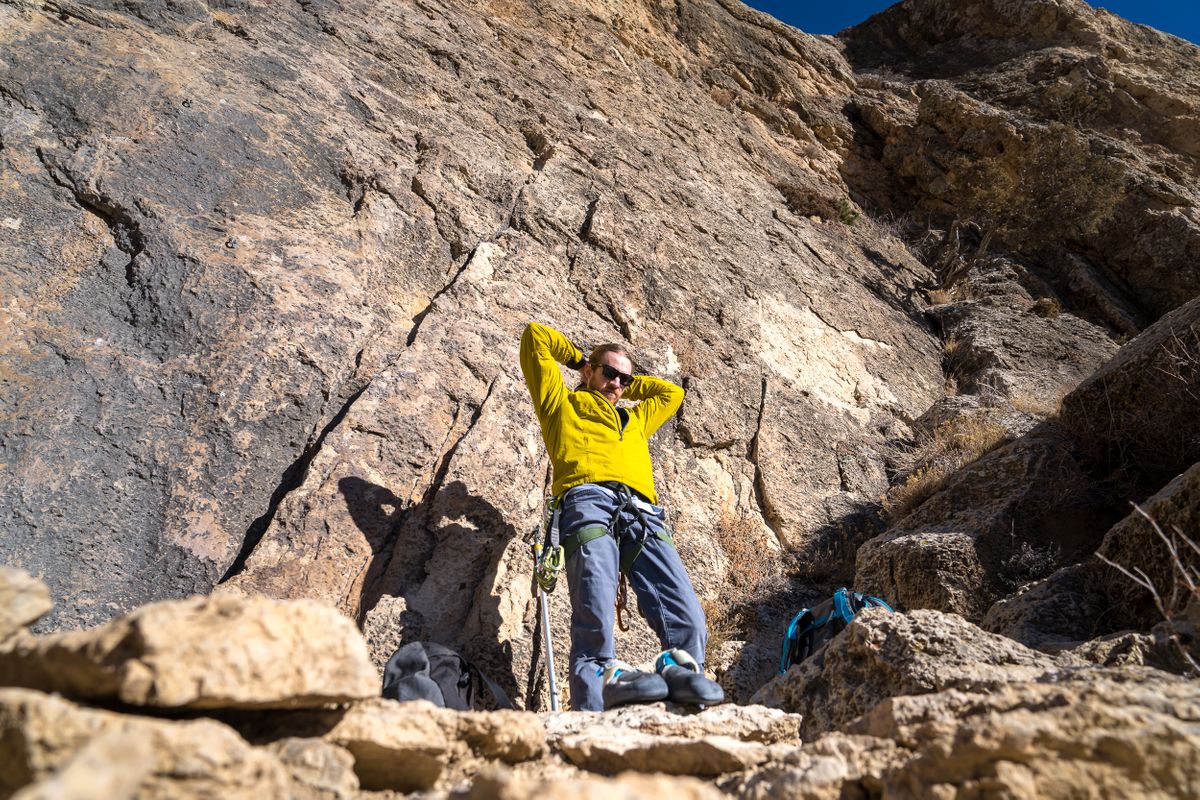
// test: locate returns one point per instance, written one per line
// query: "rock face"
(1064, 127)
(264, 270)
(292, 347)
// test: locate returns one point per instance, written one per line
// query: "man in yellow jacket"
(610, 521)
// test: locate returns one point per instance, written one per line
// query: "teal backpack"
(813, 627)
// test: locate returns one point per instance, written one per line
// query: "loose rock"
(224, 651)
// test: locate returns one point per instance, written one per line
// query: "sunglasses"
(611, 373)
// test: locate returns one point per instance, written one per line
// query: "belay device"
(813, 627)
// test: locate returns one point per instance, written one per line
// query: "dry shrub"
(807, 202)
(936, 456)
(1173, 582)
(1047, 307)
(752, 566)
(1029, 563)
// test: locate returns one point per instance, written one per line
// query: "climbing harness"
(625, 502)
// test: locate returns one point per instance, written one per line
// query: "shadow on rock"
(428, 555)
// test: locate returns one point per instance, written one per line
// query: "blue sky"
(1178, 17)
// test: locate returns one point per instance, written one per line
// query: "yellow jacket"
(583, 431)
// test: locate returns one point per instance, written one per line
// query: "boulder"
(501, 784)
(833, 767)
(614, 751)
(881, 655)
(225, 651)
(53, 745)
(1009, 517)
(1056, 613)
(398, 746)
(745, 723)
(1136, 415)
(319, 769)
(1159, 541)
(23, 599)
(506, 736)
(113, 764)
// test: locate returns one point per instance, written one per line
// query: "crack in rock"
(125, 230)
(770, 516)
(293, 478)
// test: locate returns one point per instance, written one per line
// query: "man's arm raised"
(657, 400)
(542, 350)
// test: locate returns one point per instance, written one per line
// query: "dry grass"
(937, 456)
(807, 202)
(953, 356)
(1037, 406)
(959, 292)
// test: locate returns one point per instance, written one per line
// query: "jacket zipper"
(620, 427)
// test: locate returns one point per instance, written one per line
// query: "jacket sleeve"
(542, 350)
(658, 400)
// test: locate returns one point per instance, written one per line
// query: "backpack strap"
(800, 626)
(499, 694)
(843, 605)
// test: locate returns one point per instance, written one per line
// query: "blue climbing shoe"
(686, 683)
(624, 685)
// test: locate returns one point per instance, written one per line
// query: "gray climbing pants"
(665, 597)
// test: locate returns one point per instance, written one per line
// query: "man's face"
(611, 388)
